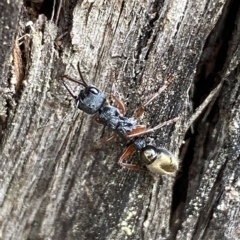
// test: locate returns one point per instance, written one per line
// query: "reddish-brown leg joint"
(129, 151)
(120, 104)
(151, 130)
(142, 108)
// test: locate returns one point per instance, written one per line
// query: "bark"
(55, 184)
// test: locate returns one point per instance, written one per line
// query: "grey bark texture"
(55, 183)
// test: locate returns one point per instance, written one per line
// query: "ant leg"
(151, 130)
(74, 96)
(97, 120)
(109, 139)
(137, 130)
(120, 104)
(103, 142)
(69, 90)
(142, 108)
(129, 151)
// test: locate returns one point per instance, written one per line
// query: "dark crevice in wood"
(23, 58)
(119, 17)
(211, 64)
(147, 32)
(88, 12)
(9, 98)
(180, 187)
(147, 209)
(208, 209)
(214, 54)
(180, 22)
(9, 106)
(45, 7)
(66, 17)
(148, 35)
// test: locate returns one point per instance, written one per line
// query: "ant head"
(90, 99)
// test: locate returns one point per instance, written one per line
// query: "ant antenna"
(81, 82)
(74, 80)
(72, 94)
(81, 76)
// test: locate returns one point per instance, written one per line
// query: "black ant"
(91, 100)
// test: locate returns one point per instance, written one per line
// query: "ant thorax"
(111, 117)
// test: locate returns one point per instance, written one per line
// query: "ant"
(92, 100)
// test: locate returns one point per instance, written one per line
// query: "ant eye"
(94, 90)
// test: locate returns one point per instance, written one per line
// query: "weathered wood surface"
(54, 187)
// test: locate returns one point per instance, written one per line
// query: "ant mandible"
(92, 100)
